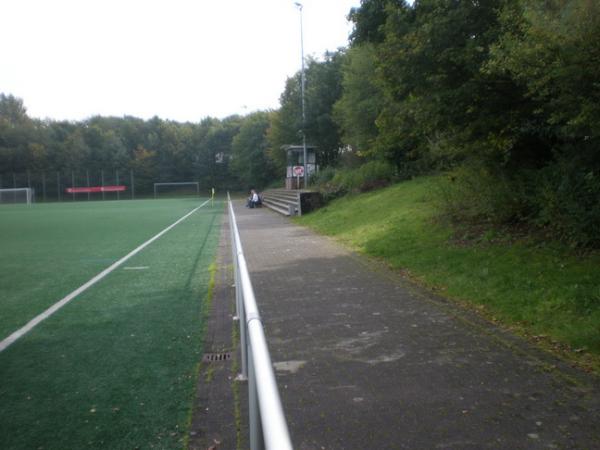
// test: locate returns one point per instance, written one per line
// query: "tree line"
(156, 150)
(502, 95)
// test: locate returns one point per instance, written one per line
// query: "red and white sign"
(298, 171)
(85, 190)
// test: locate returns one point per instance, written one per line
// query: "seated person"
(254, 200)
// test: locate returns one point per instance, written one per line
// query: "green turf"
(50, 249)
(114, 368)
(540, 287)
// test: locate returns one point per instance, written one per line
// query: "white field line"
(36, 320)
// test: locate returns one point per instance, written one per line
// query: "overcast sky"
(177, 59)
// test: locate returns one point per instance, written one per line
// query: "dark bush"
(563, 199)
(473, 193)
(334, 183)
(568, 198)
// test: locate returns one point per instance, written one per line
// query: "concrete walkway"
(366, 360)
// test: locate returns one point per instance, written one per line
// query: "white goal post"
(16, 195)
(185, 187)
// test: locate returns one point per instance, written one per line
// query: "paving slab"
(364, 359)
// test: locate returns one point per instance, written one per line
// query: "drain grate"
(216, 357)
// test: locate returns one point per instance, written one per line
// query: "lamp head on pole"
(299, 5)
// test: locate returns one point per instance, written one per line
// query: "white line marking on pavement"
(36, 320)
(136, 268)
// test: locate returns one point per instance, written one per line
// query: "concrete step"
(294, 202)
(282, 201)
(278, 202)
(292, 196)
(279, 209)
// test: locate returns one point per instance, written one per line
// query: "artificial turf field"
(114, 368)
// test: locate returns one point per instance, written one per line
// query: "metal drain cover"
(216, 357)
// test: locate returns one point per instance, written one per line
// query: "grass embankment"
(541, 289)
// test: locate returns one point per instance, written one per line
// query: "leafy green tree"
(323, 90)
(211, 141)
(131, 131)
(430, 66)
(146, 169)
(12, 110)
(37, 157)
(219, 144)
(361, 101)
(286, 123)
(19, 136)
(369, 20)
(183, 152)
(551, 50)
(57, 133)
(249, 151)
(76, 152)
(107, 150)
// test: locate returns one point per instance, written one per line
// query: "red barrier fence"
(86, 190)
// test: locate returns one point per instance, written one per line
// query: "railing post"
(235, 267)
(243, 337)
(239, 294)
(257, 441)
(239, 300)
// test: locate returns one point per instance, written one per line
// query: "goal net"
(179, 189)
(16, 195)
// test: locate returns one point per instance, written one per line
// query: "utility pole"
(302, 84)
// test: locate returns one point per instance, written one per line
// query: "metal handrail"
(268, 427)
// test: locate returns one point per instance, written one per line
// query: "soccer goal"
(179, 189)
(16, 195)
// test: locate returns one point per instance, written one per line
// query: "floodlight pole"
(302, 83)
